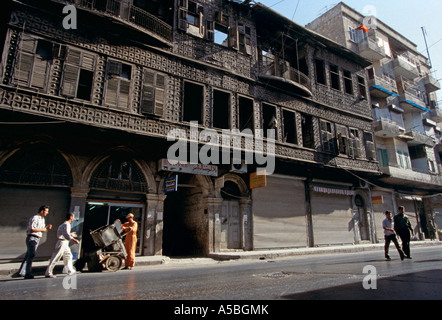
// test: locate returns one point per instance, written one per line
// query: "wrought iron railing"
(127, 12)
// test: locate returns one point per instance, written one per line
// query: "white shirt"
(36, 222)
(388, 224)
(64, 231)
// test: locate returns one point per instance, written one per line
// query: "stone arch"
(37, 163)
(144, 168)
(242, 186)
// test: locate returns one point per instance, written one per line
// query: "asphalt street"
(349, 276)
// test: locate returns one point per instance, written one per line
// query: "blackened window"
(348, 82)
(334, 77)
(290, 134)
(320, 71)
(245, 114)
(221, 109)
(193, 102)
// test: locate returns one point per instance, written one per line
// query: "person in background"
(130, 243)
(403, 228)
(34, 232)
(62, 249)
(390, 235)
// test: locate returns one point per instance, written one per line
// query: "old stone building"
(91, 90)
(406, 115)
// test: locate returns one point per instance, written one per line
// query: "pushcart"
(110, 252)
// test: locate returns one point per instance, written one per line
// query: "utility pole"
(424, 32)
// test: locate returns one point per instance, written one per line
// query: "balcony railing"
(386, 128)
(431, 84)
(405, 67)
(127, 12)
(420, 138)
(285, 72)
(371, 50)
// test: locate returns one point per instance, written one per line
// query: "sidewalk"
(39, 267)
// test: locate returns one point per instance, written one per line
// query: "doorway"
(362, 219)
(100, 213)
(230, 218)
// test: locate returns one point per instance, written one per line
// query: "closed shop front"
(332, 216)
(279, 214)
(18, 205)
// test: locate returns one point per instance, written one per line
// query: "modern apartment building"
(95, 94)
(405, 111)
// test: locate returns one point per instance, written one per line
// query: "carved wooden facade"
(134, 72)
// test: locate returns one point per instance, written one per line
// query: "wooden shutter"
(24, 68)
(159, 94)
(233, 37)
(112, 91)
(70, 83)
(123, 97)
(153, 93)
(39, 73)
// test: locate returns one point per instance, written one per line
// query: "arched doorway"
(185, 230)
(33, 175)
(230, 216)
(117, 187)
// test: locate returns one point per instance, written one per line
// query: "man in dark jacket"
(404, 230)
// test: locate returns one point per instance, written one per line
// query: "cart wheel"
(113, 263)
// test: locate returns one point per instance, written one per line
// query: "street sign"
(171, 184)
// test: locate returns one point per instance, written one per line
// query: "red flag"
(364, 28)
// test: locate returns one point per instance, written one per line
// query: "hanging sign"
(171, 184)
(258, 180)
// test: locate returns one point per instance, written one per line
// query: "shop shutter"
(279, 214)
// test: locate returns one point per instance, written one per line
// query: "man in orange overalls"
(130, 243)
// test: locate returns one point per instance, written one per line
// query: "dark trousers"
(405, 238)
(388, 240)
(26, 265)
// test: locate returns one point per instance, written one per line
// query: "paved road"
(319, 277)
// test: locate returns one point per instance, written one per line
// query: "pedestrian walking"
(34, 232)
(404, 230)
(130, 243)
(62, 249)
(390, 236)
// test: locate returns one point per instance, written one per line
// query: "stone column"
(246, 224)
(153, 225)
(78, 207)
(214, 213)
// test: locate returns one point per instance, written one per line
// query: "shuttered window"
(119, 77)
(154, 86)
(33, 62)
(327, 137)
(78, 74)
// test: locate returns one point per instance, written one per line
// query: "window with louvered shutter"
(32, 62)
(118, 86)
(78, 74)
(154, 87)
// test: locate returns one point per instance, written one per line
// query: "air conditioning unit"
(238, 168)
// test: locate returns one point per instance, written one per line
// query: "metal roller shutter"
(279, 219)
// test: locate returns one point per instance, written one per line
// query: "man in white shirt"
(390, 235)
(62, 249)
(34, 232)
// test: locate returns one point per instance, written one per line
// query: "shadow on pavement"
(425, 285)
